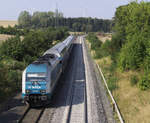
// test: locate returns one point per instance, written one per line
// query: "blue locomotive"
(39, 79)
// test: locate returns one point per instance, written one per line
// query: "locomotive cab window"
(36, 76)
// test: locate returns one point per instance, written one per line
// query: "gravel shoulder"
(99, 104)
(12, 109)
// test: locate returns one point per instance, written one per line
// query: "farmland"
(4, 37)
(6, 23)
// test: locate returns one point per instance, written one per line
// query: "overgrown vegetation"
(133, 39)
(130, 45)
(13, 31)
(133, 80)
(126, 64)
(56, 19)
(16, 54)
(103, 50)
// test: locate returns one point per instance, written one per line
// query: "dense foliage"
(133, 27)
(16, 53)
(13, 31)
(131, 40)
(56, 19)
(100, 49)
(130, 44)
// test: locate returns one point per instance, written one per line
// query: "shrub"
(13, 64)
(112, 83)
(144, 82)
(98, 53)
(133, 80)
(12, 48)
(106, 48)
(95, 44)
(112, 67)
(102, 49)
(132, 54)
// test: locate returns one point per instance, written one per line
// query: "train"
(40, 78)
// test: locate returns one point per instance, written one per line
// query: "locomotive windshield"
(36, 76)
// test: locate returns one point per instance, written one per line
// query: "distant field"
(4, 37)
(104, 37)
(7, 23)
(77, 33)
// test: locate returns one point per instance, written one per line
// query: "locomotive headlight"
(43, 91)
(27, 91)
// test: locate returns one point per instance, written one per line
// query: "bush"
(11, 31)
(144, 82)
(98, 53)
(13, 64)
(112, 83)
(133, 80)
(95, 44)
(132, 54)
(106, 48)
(12, 48)
(103, 51)
(112, 67)
(14, 79)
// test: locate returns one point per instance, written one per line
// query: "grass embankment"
(104, 36)
(6, 23)
(133, 103)
(77, 33)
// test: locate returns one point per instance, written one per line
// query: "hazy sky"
(10, 9)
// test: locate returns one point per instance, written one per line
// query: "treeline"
(56, 19)
(16, 54)
(130, 44)
(132, 40)
(13, 31)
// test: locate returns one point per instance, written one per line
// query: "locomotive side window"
(55, 74)
(53, 77)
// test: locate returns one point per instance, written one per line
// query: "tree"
(76, 27)
(56, 19)
(24, 19)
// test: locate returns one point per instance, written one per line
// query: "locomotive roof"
(57, 49)
(52, 54)
(47, 58)
(68, 40)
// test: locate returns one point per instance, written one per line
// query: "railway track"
(77, 111)
(83, 117)
(31, 115)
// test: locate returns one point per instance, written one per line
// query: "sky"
(105, 9)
